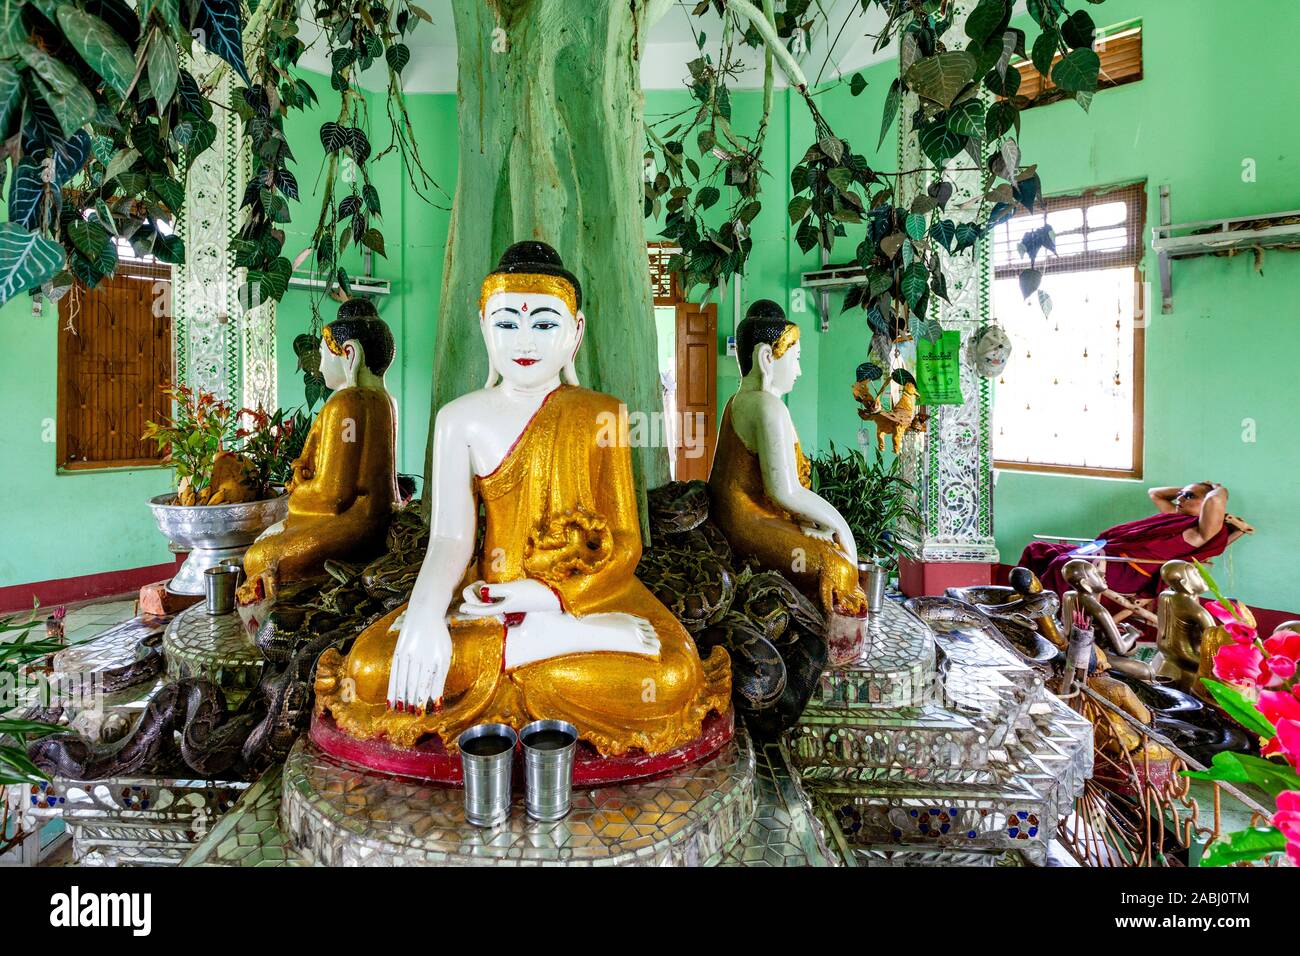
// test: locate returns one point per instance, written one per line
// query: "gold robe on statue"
(561, 509)
(343, 491)
(758, 528)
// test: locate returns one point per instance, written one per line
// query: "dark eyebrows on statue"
(545, 308)
(506, 308)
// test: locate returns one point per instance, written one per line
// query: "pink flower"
(1221, 613)
(1287, 742)
(1239, 664)
(1241, 633)
(1287, 819)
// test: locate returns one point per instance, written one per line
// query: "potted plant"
(231, 466)
(873, 498)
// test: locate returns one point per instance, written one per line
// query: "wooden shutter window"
(114, 355)
(1121, 62)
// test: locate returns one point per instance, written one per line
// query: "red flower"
(1286, 743)
(1283, 650)
(1287, 819)
(1279, 708)
(1239, 664)
(1241, 633)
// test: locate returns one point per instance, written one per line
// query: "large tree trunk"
(551, 140)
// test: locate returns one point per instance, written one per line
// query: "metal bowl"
(212, 533)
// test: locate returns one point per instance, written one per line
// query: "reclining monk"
(547, 618)
(1190, 524)
(760, 483)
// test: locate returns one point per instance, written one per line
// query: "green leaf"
(72, 104)
(941, 77)
(1077, 71)
(967, 119)
(169, 10)
(144, 137)
(857, 84)
(939, 143)
(1231, 767)
(26, 193)
(841, 178)
(168, 190)
(707, 197)
(333, 137)
(203, 136)
(10, 94)
(1239, 708)
(397, 56)
(13, 34)
(221, 24)
(914, 224)
(99, 45)
(90, 238)
(26, 260)
(1044, 50)
(164, 73)
(1078, 30)
(999, 120)
(892, 99)
(967, 235)
(1045, 303)
(915, 282)
(1244, 845)
(170, 249)
(943, 232)
(985, 19)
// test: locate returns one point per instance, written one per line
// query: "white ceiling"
(671, 46)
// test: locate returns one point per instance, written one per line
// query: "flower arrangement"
(224, 455)
(1257, 687)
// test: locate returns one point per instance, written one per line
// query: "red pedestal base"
(916, 578)
(431, 761)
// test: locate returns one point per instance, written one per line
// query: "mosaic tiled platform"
(199, 644)
(782, 830)
(987, 762)
(77, 684)
(896, 668)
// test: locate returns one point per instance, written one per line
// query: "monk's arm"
(338, 459)
(1163, 499)
(1213, 510)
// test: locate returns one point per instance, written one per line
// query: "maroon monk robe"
(1157, 538)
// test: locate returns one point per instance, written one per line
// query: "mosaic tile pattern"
(896, 669)
(834, 743)
(250, 834)
(346, 817)
(76, 682)
(198, 644)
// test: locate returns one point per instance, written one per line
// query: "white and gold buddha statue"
(760, 483)
(543, 618)
(344, 485)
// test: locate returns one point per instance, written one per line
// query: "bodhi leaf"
(915, 282)
(985, 19)
(1077, 71)
(1044, 50)
(163, 70)
(221, 29)
(939, 143)
(26, 260)
(968, 118)
(892, 99)
(1243, 845)
(100, 46)
(941, 77)
(72, 104)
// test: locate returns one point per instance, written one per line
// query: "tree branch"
(771, 41)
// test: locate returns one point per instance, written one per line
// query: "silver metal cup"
(219, 585)
(872, 578)
(487, 757)
(548, 768)
(238, 565)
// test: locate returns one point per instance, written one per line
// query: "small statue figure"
(1185, 629)
(895, 422)
(761, 483)
(547, 618)
(1087, 585)
(344, 485)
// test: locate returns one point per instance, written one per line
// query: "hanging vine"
(968, 105)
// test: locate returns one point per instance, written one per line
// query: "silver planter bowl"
(212, 533)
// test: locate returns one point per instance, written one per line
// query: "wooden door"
(697, 388)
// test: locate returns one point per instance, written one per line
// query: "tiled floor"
(88, 619)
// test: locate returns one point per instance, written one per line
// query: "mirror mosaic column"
(218, 346)
(951, 464)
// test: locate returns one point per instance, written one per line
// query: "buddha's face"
(530, 336)
(785, 371)
(337, 369)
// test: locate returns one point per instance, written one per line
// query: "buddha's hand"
(524, 596)
(420, 661)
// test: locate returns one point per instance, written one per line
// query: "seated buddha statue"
(540, 615)
(344, 485)
(1187, 636)
(761, 485)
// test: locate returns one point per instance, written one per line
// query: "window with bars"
(1070, 400)
(114, 355)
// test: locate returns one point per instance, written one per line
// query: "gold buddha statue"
(760, 483)
(1187, 636)
(551, 621)
(344, 485)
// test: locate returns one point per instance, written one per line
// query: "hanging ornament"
(990, 350)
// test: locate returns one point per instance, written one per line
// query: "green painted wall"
(1221, 358)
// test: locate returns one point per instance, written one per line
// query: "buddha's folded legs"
(815, 567)
(306, 542)
(618, 701)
